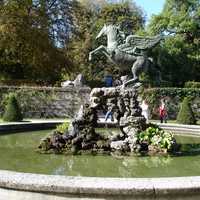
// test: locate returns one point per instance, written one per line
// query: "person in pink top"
(163, 112)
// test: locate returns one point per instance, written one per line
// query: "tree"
(31, 34)
(125, 13)
(77, 49)
(95, 6)
(179, 55)
(186, 115)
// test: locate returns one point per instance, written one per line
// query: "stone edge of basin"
(57, 184)
(49, 124)
(29, 126)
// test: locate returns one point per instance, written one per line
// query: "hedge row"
(192, 84)
(172, 92)
(173, 97)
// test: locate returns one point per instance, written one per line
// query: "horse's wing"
(143, 43)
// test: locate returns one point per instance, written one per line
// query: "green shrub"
(153, 94)
(62, 128)
(12, 110)
(186, 115)
(192, 84)
(156, 136)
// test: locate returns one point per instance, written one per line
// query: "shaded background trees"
(49, 40)
(31, 36)
(179, 56)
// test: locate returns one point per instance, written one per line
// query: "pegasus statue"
(130, 51)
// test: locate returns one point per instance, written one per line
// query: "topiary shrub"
(186, 115)
(12, 110)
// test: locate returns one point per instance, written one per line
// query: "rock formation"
(81, 134)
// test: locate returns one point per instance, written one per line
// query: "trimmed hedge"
(186, 115)
(192, 84)
(172, 92)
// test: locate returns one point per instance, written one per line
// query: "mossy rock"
(186, 115)
(12, 110)
(62, 128)
(102, 144)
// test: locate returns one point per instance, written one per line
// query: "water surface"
(17, 152)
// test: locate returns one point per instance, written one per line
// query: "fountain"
(135, 136)
(120, 102)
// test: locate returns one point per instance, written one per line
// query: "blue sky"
(150, 6)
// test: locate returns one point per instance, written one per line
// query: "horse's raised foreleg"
(100, 49)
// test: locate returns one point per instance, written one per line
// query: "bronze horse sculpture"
(132, 52)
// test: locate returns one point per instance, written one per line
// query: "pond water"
(17, 152)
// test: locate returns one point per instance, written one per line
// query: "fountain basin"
(39, 186)
(35, 186)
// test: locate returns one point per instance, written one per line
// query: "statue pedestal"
(120, 104)
(123, 105)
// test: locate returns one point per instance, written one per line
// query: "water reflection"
(17, 152)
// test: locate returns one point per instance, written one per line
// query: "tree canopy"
(179, 55)
(30, 33)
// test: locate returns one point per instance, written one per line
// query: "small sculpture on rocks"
(78, 82)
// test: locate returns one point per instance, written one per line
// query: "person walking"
(109, 113)
(145, 110)
(163, 112)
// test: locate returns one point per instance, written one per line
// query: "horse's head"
(102, 32)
